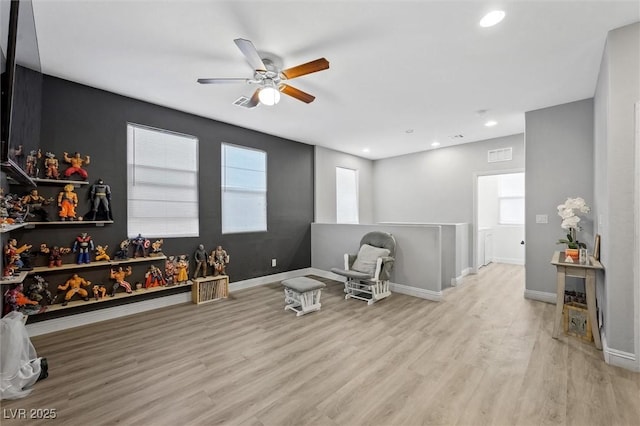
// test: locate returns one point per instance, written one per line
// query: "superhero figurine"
(100, 196)
(38, 290)
(123, 252)
(153, 277)
(75, 165)
(12, 259)
(181, 274)
(74, 285)
(169, 269)
(200, 256)
(83, 245)
(140, 246)
(101, 253)
(15, 300)
(55, 254)
(99, 291)
(119, 275)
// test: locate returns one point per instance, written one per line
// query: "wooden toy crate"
(208, 289)
(576, 321)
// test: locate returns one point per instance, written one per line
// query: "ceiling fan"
(269, 77)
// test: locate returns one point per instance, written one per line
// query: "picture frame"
(596, 247)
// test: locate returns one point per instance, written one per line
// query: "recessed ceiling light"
(409, 131)
(366, 150)
(492, 18)
(435, 144)
(490, 123)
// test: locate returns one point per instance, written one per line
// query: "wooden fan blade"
(308, 68)
(254, 101)
(222, 80)
(296, 93)
(250, 53)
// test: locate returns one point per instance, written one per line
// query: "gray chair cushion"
(366, 260)
(303, 284)
(380, 239)
(351, 274)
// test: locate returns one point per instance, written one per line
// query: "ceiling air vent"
(503, 154)
(241, 101)
(454, 137)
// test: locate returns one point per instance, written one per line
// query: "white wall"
(326, 161)
(617, 91)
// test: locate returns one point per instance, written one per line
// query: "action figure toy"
(76, 163)
(55, 254)
(34, 203)
(182, 269)
(200, 256)
(218, 261)
(100, 196)
(101, 253)
(74, 286)
(140, 246)
(67, 201)
(12, 259)
(31, 166)
(169, 270)
(83, 245)
(15, 300)
(156, 248)
(119, 275)
(153, 277)
(38, 290)
(51, 166)
(123, 252)
(99, 291)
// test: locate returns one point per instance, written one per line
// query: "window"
(244, 189)
(346, 195)
(511, 199)
(162, 183)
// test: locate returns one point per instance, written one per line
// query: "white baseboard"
(458, 280)
(618, 358)
(509, 260)
(541, 296)
(422, 293)
(267, 279)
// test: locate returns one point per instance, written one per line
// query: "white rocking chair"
(369, 271)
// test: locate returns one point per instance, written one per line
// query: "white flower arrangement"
(571, 221)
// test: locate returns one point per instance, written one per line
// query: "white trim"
(541, 296)
(509, 260)
(636, 262)
(269, 279)
(421, 293)
(618, 358)
(458, 280)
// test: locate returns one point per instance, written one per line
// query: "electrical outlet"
(273, 263)
(542, 218)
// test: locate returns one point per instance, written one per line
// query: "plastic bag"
(20, 366)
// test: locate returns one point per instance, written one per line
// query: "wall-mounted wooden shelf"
(16, 279)
(97, 264)
(97, 223)
(119, 295)
(60, 181)
(11, 227)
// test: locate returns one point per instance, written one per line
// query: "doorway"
(499, 220)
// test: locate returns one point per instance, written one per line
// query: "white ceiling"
(395, 65)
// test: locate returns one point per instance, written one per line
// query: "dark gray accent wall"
(94, 122)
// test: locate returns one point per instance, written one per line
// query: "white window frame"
(347, 195)
(162, 197)
(259, 222)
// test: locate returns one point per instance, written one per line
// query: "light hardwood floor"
(482, 356)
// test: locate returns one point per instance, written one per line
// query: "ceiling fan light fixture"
(269, 95)
(492, 18)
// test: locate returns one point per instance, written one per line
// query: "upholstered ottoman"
(302, 295)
